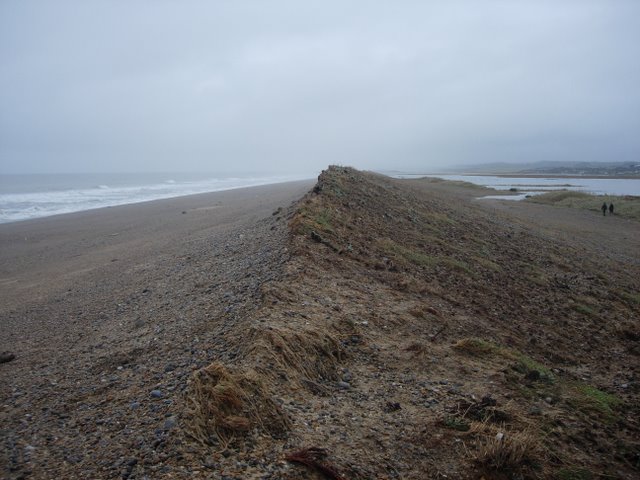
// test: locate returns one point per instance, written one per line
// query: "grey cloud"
(279, 86)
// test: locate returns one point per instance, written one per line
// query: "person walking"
(604, 208)
(611, 209)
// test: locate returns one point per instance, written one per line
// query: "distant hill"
(556, 168)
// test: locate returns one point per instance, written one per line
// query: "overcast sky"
(295, 85)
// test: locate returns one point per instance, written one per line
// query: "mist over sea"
(25, 197)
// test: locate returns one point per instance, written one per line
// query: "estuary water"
(532, 186)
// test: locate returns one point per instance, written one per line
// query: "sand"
(105, 306)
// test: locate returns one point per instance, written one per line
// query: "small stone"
(6, 357)
(134, 405)
(548, 400)
(156, 394)
(169, 423)
(392, 407)
(533, 375)
(535, 410)
(624, 385)
(344, 385)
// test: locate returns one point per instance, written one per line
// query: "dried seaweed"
(313, 457)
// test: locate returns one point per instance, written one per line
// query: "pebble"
(134, 405)
(169, 423)
(344, 385)
(156, 394)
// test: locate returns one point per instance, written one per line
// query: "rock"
(344, 385)
(134, 405)
(169, 423)
(6, 357)
(535, 410)
(156, 394)
(533, 375)
(392, 407)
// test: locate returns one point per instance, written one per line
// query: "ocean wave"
(24, 206)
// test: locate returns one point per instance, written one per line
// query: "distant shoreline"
(531, 175)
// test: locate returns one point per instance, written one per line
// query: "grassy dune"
(625, 206)
(415, 334)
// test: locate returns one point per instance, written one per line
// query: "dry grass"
(504, 450)
(510, 451)
(298, 354)
(223, 406)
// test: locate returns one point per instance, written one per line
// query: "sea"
(523, 187)
(24, 197)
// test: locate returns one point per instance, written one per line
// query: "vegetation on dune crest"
(434, 336)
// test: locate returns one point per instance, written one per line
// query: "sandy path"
(103, 307)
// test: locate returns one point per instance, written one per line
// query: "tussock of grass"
(584, 309)
(298, 354)
(223, 405)
(513, 452)
(477, 346)
(590, 399)
(456, 423)
(631, 297)
(524, 364)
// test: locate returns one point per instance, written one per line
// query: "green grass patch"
(624, 206)
(455, 264)
(488, 264)
(590, 399)
(631, 297)
(323, 219)
(456, 424)
(584, 309)
(313, 218)
(524, 364)
(391, 248)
